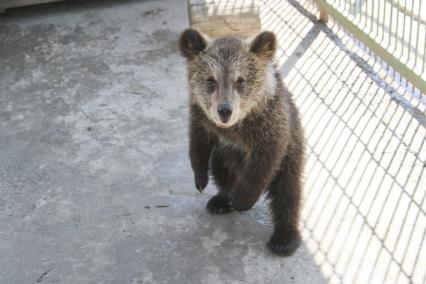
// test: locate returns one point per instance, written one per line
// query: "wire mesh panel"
(364, 217)
(395, 29)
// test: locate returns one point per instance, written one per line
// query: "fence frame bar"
(327, 9)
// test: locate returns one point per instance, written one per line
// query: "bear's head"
(229, 77)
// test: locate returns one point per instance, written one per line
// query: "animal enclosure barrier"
(394, 29)
(364, 216)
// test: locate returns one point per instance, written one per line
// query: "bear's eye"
(241, 82)
(211, 83)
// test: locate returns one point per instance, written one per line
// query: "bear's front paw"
(284, 245)
(241, 201)
(218, 205)
(201, 181)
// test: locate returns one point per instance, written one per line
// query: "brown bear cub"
(245, 129)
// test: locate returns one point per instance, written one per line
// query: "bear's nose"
(225, 111)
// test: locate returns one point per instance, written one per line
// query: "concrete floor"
(95, 182)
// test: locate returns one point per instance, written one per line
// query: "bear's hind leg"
(285, 195)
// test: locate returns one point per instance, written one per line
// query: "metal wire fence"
(364, 217)
(394, 29)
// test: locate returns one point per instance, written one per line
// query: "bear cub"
(245, 130)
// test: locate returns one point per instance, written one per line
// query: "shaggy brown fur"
(246, 129)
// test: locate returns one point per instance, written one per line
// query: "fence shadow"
(364, 216)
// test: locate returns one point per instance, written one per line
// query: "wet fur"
(263, 151)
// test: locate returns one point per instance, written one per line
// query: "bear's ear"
(264, 45)
(191, 42)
